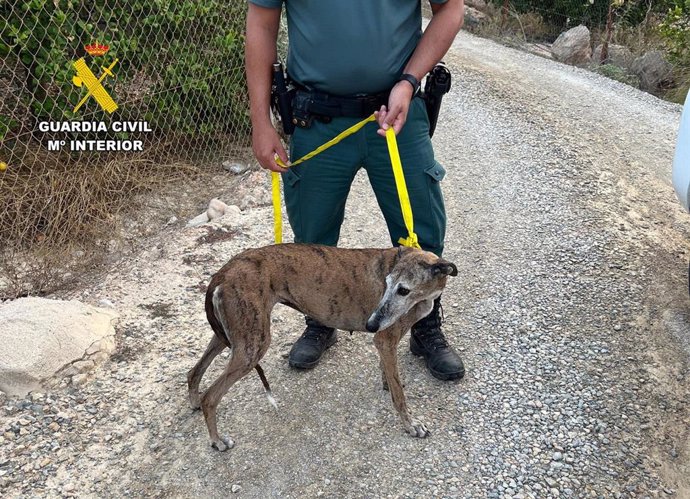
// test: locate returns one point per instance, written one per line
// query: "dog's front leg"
(386, 342)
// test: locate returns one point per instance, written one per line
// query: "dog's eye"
(403, 291)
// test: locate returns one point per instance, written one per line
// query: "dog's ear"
(444, 267)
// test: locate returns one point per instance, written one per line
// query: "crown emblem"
(96, 49)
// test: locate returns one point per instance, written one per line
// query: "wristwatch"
(413, 81)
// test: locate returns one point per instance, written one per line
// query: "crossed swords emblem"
(93, 85)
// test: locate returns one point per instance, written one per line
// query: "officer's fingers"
(277, 168)
(280, 153)
(393, 114)
(272, 165)
(399, 123)
(381, 115)
(267, 160)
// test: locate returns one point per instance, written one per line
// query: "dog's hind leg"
(195, 374)
(247, 350)
(244, 359)
(386, 342)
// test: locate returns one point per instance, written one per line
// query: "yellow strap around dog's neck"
(405, 206)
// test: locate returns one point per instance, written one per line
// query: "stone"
(216, 209)
(476, 4)
(231, 215)
(83, 366)
(234, 167)
(40, 336)
(99, 357)
(107, 344)
(80, 379)
(573, 46)
(653, 70)
(618, 55)
(473, 18)
(198, 220)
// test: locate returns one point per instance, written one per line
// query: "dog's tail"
(267, 387)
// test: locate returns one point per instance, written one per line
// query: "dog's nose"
(372, 325)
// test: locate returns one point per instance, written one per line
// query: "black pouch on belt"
(309, 105)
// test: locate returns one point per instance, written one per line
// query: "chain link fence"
(102, 99)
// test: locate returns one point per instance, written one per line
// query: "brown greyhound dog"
(383, 291)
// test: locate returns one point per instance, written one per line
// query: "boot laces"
(428, 330)
(315, 334)
(432, 336)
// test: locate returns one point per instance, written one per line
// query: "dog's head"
(417, 279)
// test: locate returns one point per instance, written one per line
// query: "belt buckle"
(369, 104)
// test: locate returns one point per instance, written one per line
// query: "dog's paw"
(418, 430)
(223, 444)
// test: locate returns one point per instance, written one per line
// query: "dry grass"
(522, 28)
(57, 215)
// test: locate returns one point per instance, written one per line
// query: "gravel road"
(570, 311)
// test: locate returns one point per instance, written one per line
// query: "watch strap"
(412, 80)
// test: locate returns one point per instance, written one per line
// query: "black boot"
(308, 349)
(427, 341)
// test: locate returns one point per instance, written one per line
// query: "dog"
(382, 291)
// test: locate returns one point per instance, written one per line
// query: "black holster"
(437, 85)
(282, 95)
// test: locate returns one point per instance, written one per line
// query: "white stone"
(198, 220)
(40, 336)
(216, 209)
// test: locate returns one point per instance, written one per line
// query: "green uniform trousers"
(316, 190)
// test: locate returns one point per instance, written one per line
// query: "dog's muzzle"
(373, 323)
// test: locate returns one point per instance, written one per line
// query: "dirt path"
(570, 310)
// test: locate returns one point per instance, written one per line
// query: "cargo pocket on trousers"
(291, 177)
(436, 171)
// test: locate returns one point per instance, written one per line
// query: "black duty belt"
(321, 105)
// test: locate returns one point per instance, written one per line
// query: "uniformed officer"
(349, 59)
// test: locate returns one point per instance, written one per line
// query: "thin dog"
(383, 291)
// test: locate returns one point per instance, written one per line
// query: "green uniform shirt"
(348, 47)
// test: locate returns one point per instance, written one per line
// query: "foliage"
(617, 73)
(675, 31)
(563, 13)
(180, 61)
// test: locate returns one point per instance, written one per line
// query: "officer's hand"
(395, 114)
(266, 145)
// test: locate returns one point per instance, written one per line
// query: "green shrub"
(180, 61)
(617, 73)
(675, 31)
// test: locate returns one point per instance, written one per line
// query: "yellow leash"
(405, 206)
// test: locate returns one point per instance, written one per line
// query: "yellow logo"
(94, 85)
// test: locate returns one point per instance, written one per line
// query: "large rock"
(618, 55)
(473, 18)
(573, 46)
(40, 336)
(476, 4)
(653, 70)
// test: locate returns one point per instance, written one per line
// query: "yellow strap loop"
(405, 206)
(411, 240)
(277, 214)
